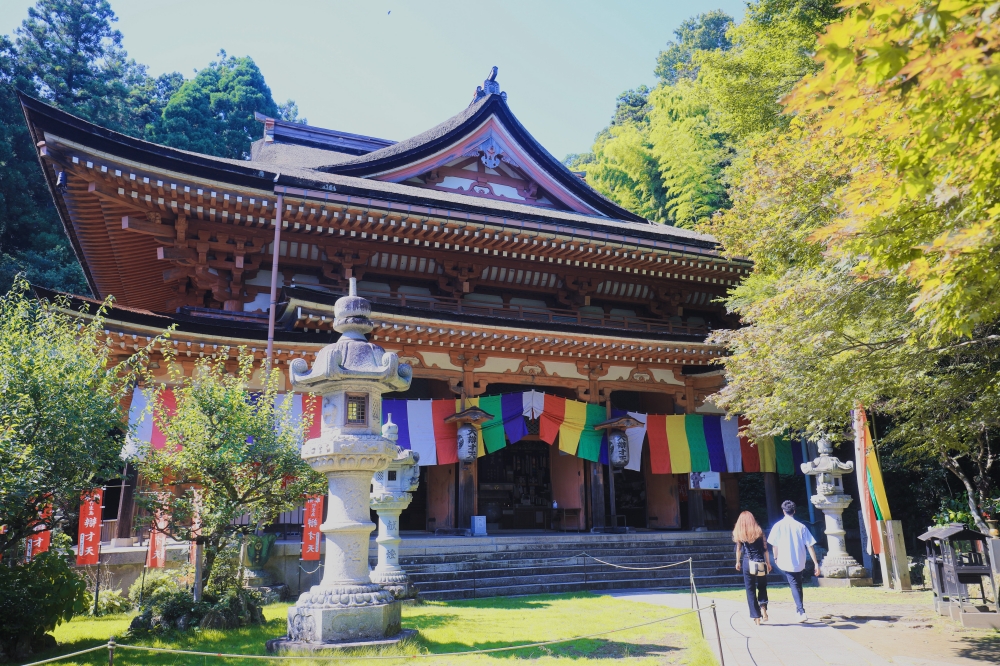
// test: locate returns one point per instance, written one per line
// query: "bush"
(156, 581)
(35, 597)
(110, 602)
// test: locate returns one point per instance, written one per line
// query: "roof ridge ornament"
(489, 87)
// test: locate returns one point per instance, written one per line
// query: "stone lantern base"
(282, 645)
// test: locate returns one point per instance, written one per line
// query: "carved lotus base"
(347, 613)
(842, 566)
(396, 582)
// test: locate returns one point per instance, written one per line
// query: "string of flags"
(678, 444)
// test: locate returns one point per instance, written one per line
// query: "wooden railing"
(545, 315)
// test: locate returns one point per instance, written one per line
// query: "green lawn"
(445, 627)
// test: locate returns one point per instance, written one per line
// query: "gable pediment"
(488, 162)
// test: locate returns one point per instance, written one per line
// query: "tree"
(213, 113)
(705, 32)
(632, 107)
(229, 452)
(910, 91)
(771, 50)
(61, 416)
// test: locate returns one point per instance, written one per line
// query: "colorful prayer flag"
(574, 421)
(659, 447)
(714, 443)
(420, 423)
(512, 409)
(494, 436)
(751, 456)
(677, 441)
(765, 449)
(445, 434)
(636, 435)
(694, 428)
(874, 503)
(591, 439)
(88, 549)
(784, 460)
(551, 418)
(730, 428)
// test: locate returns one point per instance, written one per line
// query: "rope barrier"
(111, 646)
(502, 564)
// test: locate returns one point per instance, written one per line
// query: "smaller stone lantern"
(392, 490)
(838, 567)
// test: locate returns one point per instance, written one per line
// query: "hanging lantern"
(618, 453)
(468, 436)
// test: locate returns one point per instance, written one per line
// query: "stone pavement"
(780, 641)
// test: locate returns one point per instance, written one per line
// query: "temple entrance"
(515, 488)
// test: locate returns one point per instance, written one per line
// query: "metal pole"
(111, 652)
(718, 634)
(276, 251)
(812, 509)
(97, 580)
(142, 585)
(611, 490)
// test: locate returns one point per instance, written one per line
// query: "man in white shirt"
(789, 540)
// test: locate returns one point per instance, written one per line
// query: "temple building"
(492, 269)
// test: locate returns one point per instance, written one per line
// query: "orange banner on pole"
(156, 555)
(311, 534)
(40, 541)
(88, 544)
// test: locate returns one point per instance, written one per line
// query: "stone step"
(554, 588)
(569, 577)
(494, 567)
(634, 553)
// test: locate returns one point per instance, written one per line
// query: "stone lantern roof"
(352, 357)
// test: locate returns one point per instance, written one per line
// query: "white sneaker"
(802, 617)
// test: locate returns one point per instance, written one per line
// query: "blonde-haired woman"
(753, 559)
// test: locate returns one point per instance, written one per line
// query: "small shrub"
(955, 511)
(35, 597)
(156, 581)
(109, 602)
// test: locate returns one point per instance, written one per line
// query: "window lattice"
(357, 409)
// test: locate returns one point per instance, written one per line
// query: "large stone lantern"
(392, 490)
(838, 566)
(351, 375)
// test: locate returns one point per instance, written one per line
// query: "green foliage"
(61, 416)
(36, 596)
(155, 581)
(109, 602)
(213, 113)
(229, 452)
(705, 32)
(955, 511)
(632, 107)
(68, 53)
(909, 91)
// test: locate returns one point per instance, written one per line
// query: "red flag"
(313, 405)
(88, 548)
(40, 541)
(311, 534)
(156, 555)
(659, 448)
(445, 434)
(552, 418)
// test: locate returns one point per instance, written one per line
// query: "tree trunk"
(952, 466)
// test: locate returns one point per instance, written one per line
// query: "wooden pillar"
(771, 498)
(595, 478)
(731, 490)
(696, 506)
(466, 494)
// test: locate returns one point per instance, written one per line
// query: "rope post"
(111, 652)
(694, 593)
(718, 634)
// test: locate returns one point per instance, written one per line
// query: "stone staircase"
(471, 567)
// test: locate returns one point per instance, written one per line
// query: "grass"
(443, 627)
(830, 595)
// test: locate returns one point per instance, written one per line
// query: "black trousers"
(756, 589)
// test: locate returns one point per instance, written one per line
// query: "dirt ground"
(910, 631)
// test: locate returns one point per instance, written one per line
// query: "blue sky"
(392, 69)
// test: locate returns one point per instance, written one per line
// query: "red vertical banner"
(313, 406)
(311, 534)
(156, 555)
(40, 541)
(166, 406)
(88, 544)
